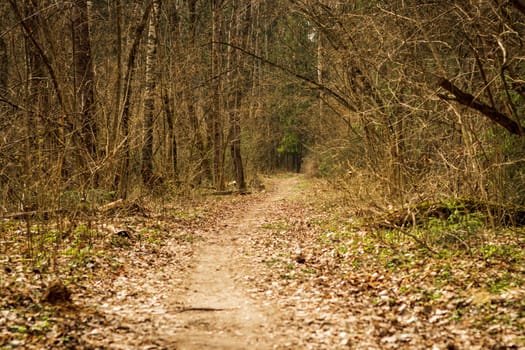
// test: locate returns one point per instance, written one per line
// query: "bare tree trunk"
(255, 90)
(36, 98)
(149, 95)
(123, 175)
(232, 84)
(83, 78)
(169, 115)
(239, 81)
(114, 132)
(235, 143)
(171, 96)
(215, 122)
(198, 142)
(320, 76)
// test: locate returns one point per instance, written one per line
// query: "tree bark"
(320, 76)
(203, 168)
(83, 76)
(215, 123)
(149, 95)
(170, 116)
(121, 178)
(4, 67)
(114, 132)
(240, 84)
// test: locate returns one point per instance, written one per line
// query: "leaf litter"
(334, 284)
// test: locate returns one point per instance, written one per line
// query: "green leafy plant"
(457, 230)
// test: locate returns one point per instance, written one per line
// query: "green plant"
(40, 326)
(459, 229)
(505, 252)
(21, 329)
(499, 285)
(51, 236)
(341, 250)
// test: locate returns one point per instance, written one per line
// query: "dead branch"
(468, 100)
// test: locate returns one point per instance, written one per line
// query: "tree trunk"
(233, 81)
(239, 82)
(36, 96)
(235, 143)
(123, 175)
(215, 123)
(149, 95)
(320, 78)
(83, 78)
(169, 115)
(203, 167)
(4, 67)
(114, 129)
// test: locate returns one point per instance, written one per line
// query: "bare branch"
(468, 100)
(304, 78)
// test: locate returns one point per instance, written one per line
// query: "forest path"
(218, 313)
(202, 288)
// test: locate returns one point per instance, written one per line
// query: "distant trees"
(118, 97)
(115, 97)
(425, 89)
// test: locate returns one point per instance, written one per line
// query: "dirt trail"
(218, 314)
(202, 300)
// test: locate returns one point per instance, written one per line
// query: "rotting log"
(419, 214)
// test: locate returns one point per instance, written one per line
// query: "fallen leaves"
(106, 283)
(382, 293)
(332, 284)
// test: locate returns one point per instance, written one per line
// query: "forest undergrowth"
(106, 255)
(339, 282)
(454, 283)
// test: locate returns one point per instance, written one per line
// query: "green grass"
(278, 225)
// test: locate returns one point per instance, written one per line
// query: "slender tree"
(149, 94)
(122, 177)
(215, 122)
(114, 129)
(84, 77)
(238, 79)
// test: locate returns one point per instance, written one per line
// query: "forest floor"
(287, 268)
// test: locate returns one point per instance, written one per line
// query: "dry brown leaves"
(124, 274)
(336, 286)
(342, 287)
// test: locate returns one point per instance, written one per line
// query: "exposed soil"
(218, 313)
(208, 305)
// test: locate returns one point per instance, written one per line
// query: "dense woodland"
(408, 100)
(129, 129)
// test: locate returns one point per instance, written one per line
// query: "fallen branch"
(412, 236)
(209, 309)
